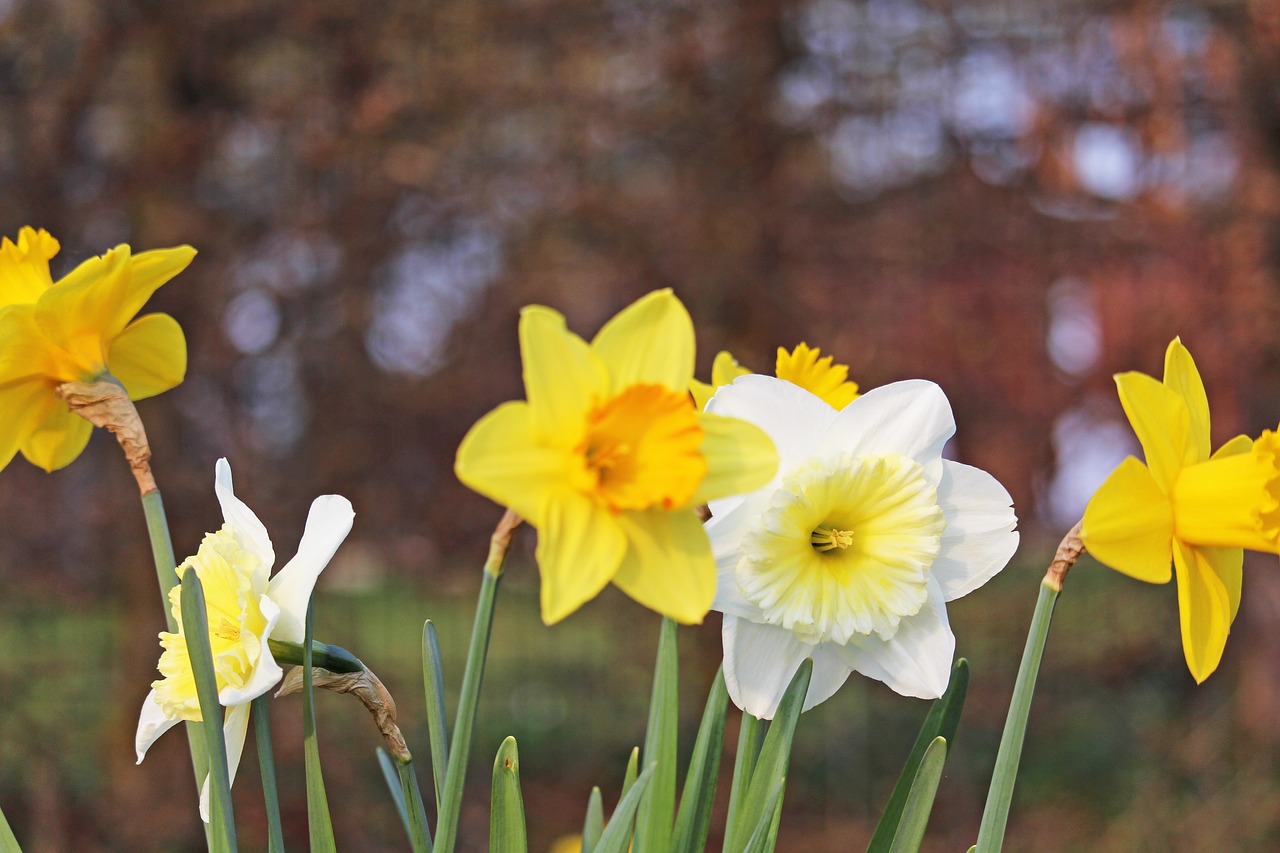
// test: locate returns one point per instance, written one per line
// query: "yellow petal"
(24, 266)
(24, 350)
(1205, 610)
(1228, 565)
(1161, 421)
(1230, 501)
(1128, 524)
(1234, 447)
(819, 376)
(1182, 377)
(499, 459)
(580, 546)
(23, 405)
(649, 341)
(148, 272)
(563, 378)
(725, 369)
(740, 457)
(58, 436)
(702, 392)
(149, 356)
(668, 566)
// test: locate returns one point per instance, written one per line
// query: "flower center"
(226, 570)
(643, 448)
(844, 548)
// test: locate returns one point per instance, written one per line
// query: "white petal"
(251, 531)
(790, 415)
(328, 524)
(979, 538)
(152, 723)
(235, 728)
(759, 662)
(266, 673)
(911, 417)
(917, 661)
(830, 672)
(725, 532)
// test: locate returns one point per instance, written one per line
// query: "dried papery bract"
(105, 404)
(366, 687)
(1069, 550)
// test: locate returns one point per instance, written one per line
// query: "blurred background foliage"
(1015, 199)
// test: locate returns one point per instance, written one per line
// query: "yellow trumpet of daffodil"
(608, 459)
(79, 329)
(801, 366)
(1186, 506)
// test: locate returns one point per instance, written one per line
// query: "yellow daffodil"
(801, 366)
(608, 459)
(1186, 506)
(80, 329)
(246, 608)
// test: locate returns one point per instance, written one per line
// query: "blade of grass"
(506, 806)
(696, 798)
(774, 757)
(617, 835)
(392, 778)
(657, 808)
(267, 764)
(195, 628)
(942, 720)
(319, 823)
(433, 681)
(750, 734)
(915, 813)
(999, 797)
(593, 824)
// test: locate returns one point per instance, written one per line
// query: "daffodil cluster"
(81, 328)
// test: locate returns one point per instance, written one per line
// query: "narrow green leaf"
(617, 835)
(419, 831)
(433, 681)
(775, 755)
(657, 809)
(915, 814)
(267, 764)
(9, 843)
(942, 720)
(629, 777)
(319, 824)
(195, 628)
(392, 778)
(1000, 795)
(506, 806)
(699, 793)
(472, 677)
(593, 824)
(750, 735)
(765, 832)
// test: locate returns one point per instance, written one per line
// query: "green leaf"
(319, 824)
(392, 778)
(772, 763)
(765, 833)
(657, 809)
(996, 813)
(433, 681)
(617, 835)
(750, 735)
(419, 832)
(506, 810)
(195, 628)
(593, 824)
(699, 793)
(915, 814)
(629, 777)
(267, 765)
(942, 720)
(9, 844)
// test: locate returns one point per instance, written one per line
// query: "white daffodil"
(245, 610)
(850, 554)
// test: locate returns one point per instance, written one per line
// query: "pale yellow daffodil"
(1186, 506)
(609, 459)
(79, 329)
(801, 366)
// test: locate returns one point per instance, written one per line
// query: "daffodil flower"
(608, 459)
(246, 609)
(801, 366)
(80, 329)
(849, 555)
(1186, 507)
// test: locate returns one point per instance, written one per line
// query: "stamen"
(826, 539)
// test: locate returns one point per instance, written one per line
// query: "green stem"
(744, 763)
(162, 553)
(473, 675)
(1000, 795)
(415, 812)
(267, 764)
